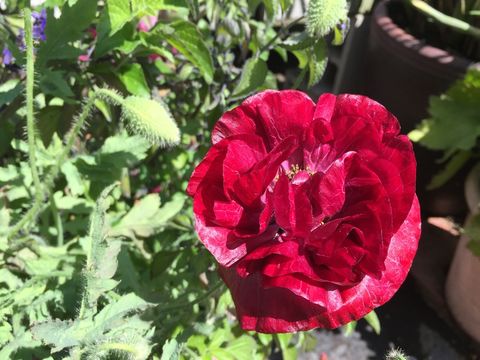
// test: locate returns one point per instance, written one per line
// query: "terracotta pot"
(402, 72)
(462, 287)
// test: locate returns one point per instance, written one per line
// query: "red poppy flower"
(309, 209)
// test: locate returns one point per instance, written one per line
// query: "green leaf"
(118, 14)
(5, 333)
(170, 350)
(108, 317)
(50, 120)
(69, 27)
(9, 173)
(74, 180)
(373, 321)
(323, 15)
(151, 119)
(133, 148)
(133, 78)
(162, 261)
(146, 218)
(454, 122)
(298, 41)
(9, 90)
(271, 7)
(185, 37)
(242, 348)
(453, 166)
(60, 334)
(54, 83)
(253, 77)
(318, 63)
(139, 220)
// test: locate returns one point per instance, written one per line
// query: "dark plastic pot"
(402, 72)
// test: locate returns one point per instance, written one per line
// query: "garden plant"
(132, 129)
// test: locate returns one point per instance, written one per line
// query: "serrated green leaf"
(318, 63)
(455, 117)
(22, 340)
(138, 221)
(133, 79)
(242, 348)
(132, 148)
(111, 313)
(146, 217)
(5, 333)
(185, 37)
(372, 319)
(323, 15)
(118, 14)
(59, 334)
(253, 76)
(151, 119)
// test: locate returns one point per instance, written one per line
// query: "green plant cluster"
(454, 128)
(98, 254)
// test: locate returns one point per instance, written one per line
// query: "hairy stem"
(57, 219)
(30, 79)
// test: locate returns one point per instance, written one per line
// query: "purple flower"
(7, 56)
(38, 33)
(39, 23)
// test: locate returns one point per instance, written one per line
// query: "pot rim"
(416, 52)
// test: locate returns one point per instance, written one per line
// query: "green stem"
(30, 78)
(29, 99)
(453, 23)
(57, 218)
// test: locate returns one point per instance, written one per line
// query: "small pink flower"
(156, 190)
(93, 32)
(153, 57)
(84, 58)
(146, 23)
